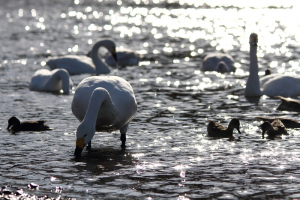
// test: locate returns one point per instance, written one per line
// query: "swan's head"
(13, 121)
(235, 123)
(267, 72)
(253, 39)
(222, 67)
(108, 44)
(84, 135)
(65, 82)
(111, 47)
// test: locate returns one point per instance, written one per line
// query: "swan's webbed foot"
(89, 146)
(123, 139)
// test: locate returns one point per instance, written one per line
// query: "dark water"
(168, 154)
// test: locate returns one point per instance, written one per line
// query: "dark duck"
(215, 129)
(14, 125)
(274, 129)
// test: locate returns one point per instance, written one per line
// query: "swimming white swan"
(271, 85)
(44, 80)
(124, 58)
(102, 103)
(219, 62)
(80, 64)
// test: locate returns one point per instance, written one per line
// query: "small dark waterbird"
(274, 129)
(267, 72)
(14, 125)
(215, 129)
(287, 122)
(288, 104)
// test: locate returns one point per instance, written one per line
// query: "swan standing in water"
(80, 64)
(102, 103)
(44, 80)
(219, 62)
(271, 85)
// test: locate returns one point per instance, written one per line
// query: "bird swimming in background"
(274, 129)
(14, 125)
(288, 104)
(215, 129)
(102, 104)
(81, 64)
(287, 122)
(270, 85)
(267, 72)
(124, 58)
(219, 62)
(44, 80)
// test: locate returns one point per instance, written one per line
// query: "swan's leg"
(89, 146)
(123, 135)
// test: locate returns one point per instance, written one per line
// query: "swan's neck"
(99, 97)
(253, 85)
(230, 128)
(101, 68)
(66, 82)
(59, 79)
(87, 128)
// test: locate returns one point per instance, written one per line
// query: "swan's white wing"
(282, 85)
(210, 62)
(39, 79)
(51, 81)
(74, 64)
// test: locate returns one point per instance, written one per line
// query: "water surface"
(168, 154)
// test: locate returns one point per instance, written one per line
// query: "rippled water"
(168, 154)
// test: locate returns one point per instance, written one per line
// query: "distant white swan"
(124, 58)
(80, 64)
(102, 103)
(270, 85)
(219, 62)
(44, 80)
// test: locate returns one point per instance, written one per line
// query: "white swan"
(102, 103)
(270, 85)
(80, 64)
(219, 62)
(44, 80)
(124, 58)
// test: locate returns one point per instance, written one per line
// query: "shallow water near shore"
(168, 154)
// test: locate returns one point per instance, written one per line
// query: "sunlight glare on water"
(167, 154)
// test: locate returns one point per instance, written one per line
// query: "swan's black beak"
(79, 147)
(239, 131)
(77, 152)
